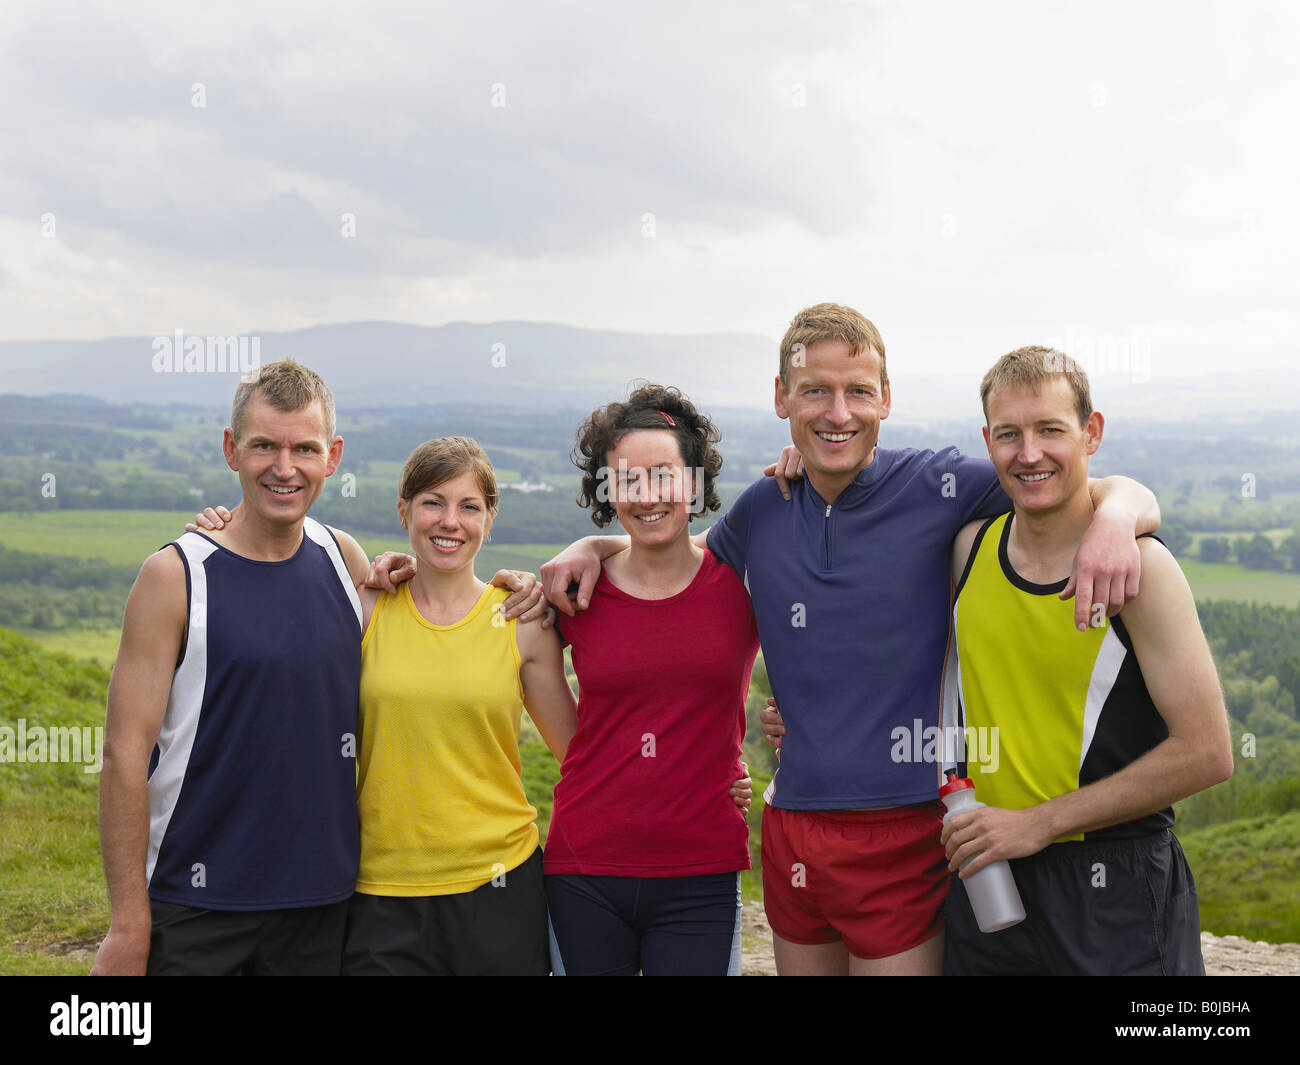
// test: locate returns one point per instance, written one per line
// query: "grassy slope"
(53, 886)
(1246, 875)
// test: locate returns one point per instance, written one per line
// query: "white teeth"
(446, 543)
(1033, 476)
(835, 438)
(282, 490)
(650, 517)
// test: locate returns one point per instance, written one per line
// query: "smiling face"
(835, 402)
(282, 458)
(651, 489)
(1037, 445)
(447, 522)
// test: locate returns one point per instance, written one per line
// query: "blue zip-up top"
(852, 602)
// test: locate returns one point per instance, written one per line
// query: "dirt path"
(1224, 955)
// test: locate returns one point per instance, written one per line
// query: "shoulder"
(357, 560)
(160, 595)
(163, 573)
(715, 571)
(1164, 594)
(761, 493)
(533, 640)
(964, 543)
(913, 462)
(1158, 563)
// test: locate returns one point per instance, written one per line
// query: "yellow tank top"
(439, 787)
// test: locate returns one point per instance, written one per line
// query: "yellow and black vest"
(1041, 709)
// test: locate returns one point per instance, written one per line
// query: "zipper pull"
(828, 510)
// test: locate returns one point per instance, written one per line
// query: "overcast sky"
(971, 176)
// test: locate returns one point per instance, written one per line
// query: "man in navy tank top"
(228, 816)
(228, 798)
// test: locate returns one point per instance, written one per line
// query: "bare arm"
(1184, 686)
(1123, 495)
(152, 630)
(547, 694)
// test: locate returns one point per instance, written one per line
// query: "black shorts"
(494, 930)
(1110, 907)
(190, 942)
(659, 926)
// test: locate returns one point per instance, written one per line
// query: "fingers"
(586, 586)
(555, 581)
(402, 572)
(1115, 600)
(548, 619)
(534, 606)
(1083, 602)
(525, 602)
(379, 573)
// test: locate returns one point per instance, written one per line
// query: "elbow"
(1219, 767)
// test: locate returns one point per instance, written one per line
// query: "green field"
(123, 537)
(1221, 580)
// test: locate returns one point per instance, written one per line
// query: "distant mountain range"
(527, 364)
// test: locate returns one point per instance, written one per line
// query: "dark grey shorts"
(1108, 907)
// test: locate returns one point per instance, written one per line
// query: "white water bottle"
(992, 891)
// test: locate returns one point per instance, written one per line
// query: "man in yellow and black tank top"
(1078, 741)
(1080, 697)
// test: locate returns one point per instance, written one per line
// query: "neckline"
(1009, 571)
(302, 543)
(864, 478)
(613, 589)
(474, 611)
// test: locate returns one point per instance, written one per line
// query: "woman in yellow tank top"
(451, 878)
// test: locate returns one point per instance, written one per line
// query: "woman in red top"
(645, 845)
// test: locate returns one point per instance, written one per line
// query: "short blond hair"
(830, 321)
(288, 386)
(1032, 367)
(436, 461)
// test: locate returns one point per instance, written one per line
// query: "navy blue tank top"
(252, 785)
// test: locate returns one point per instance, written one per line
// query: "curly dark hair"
(649, 407)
